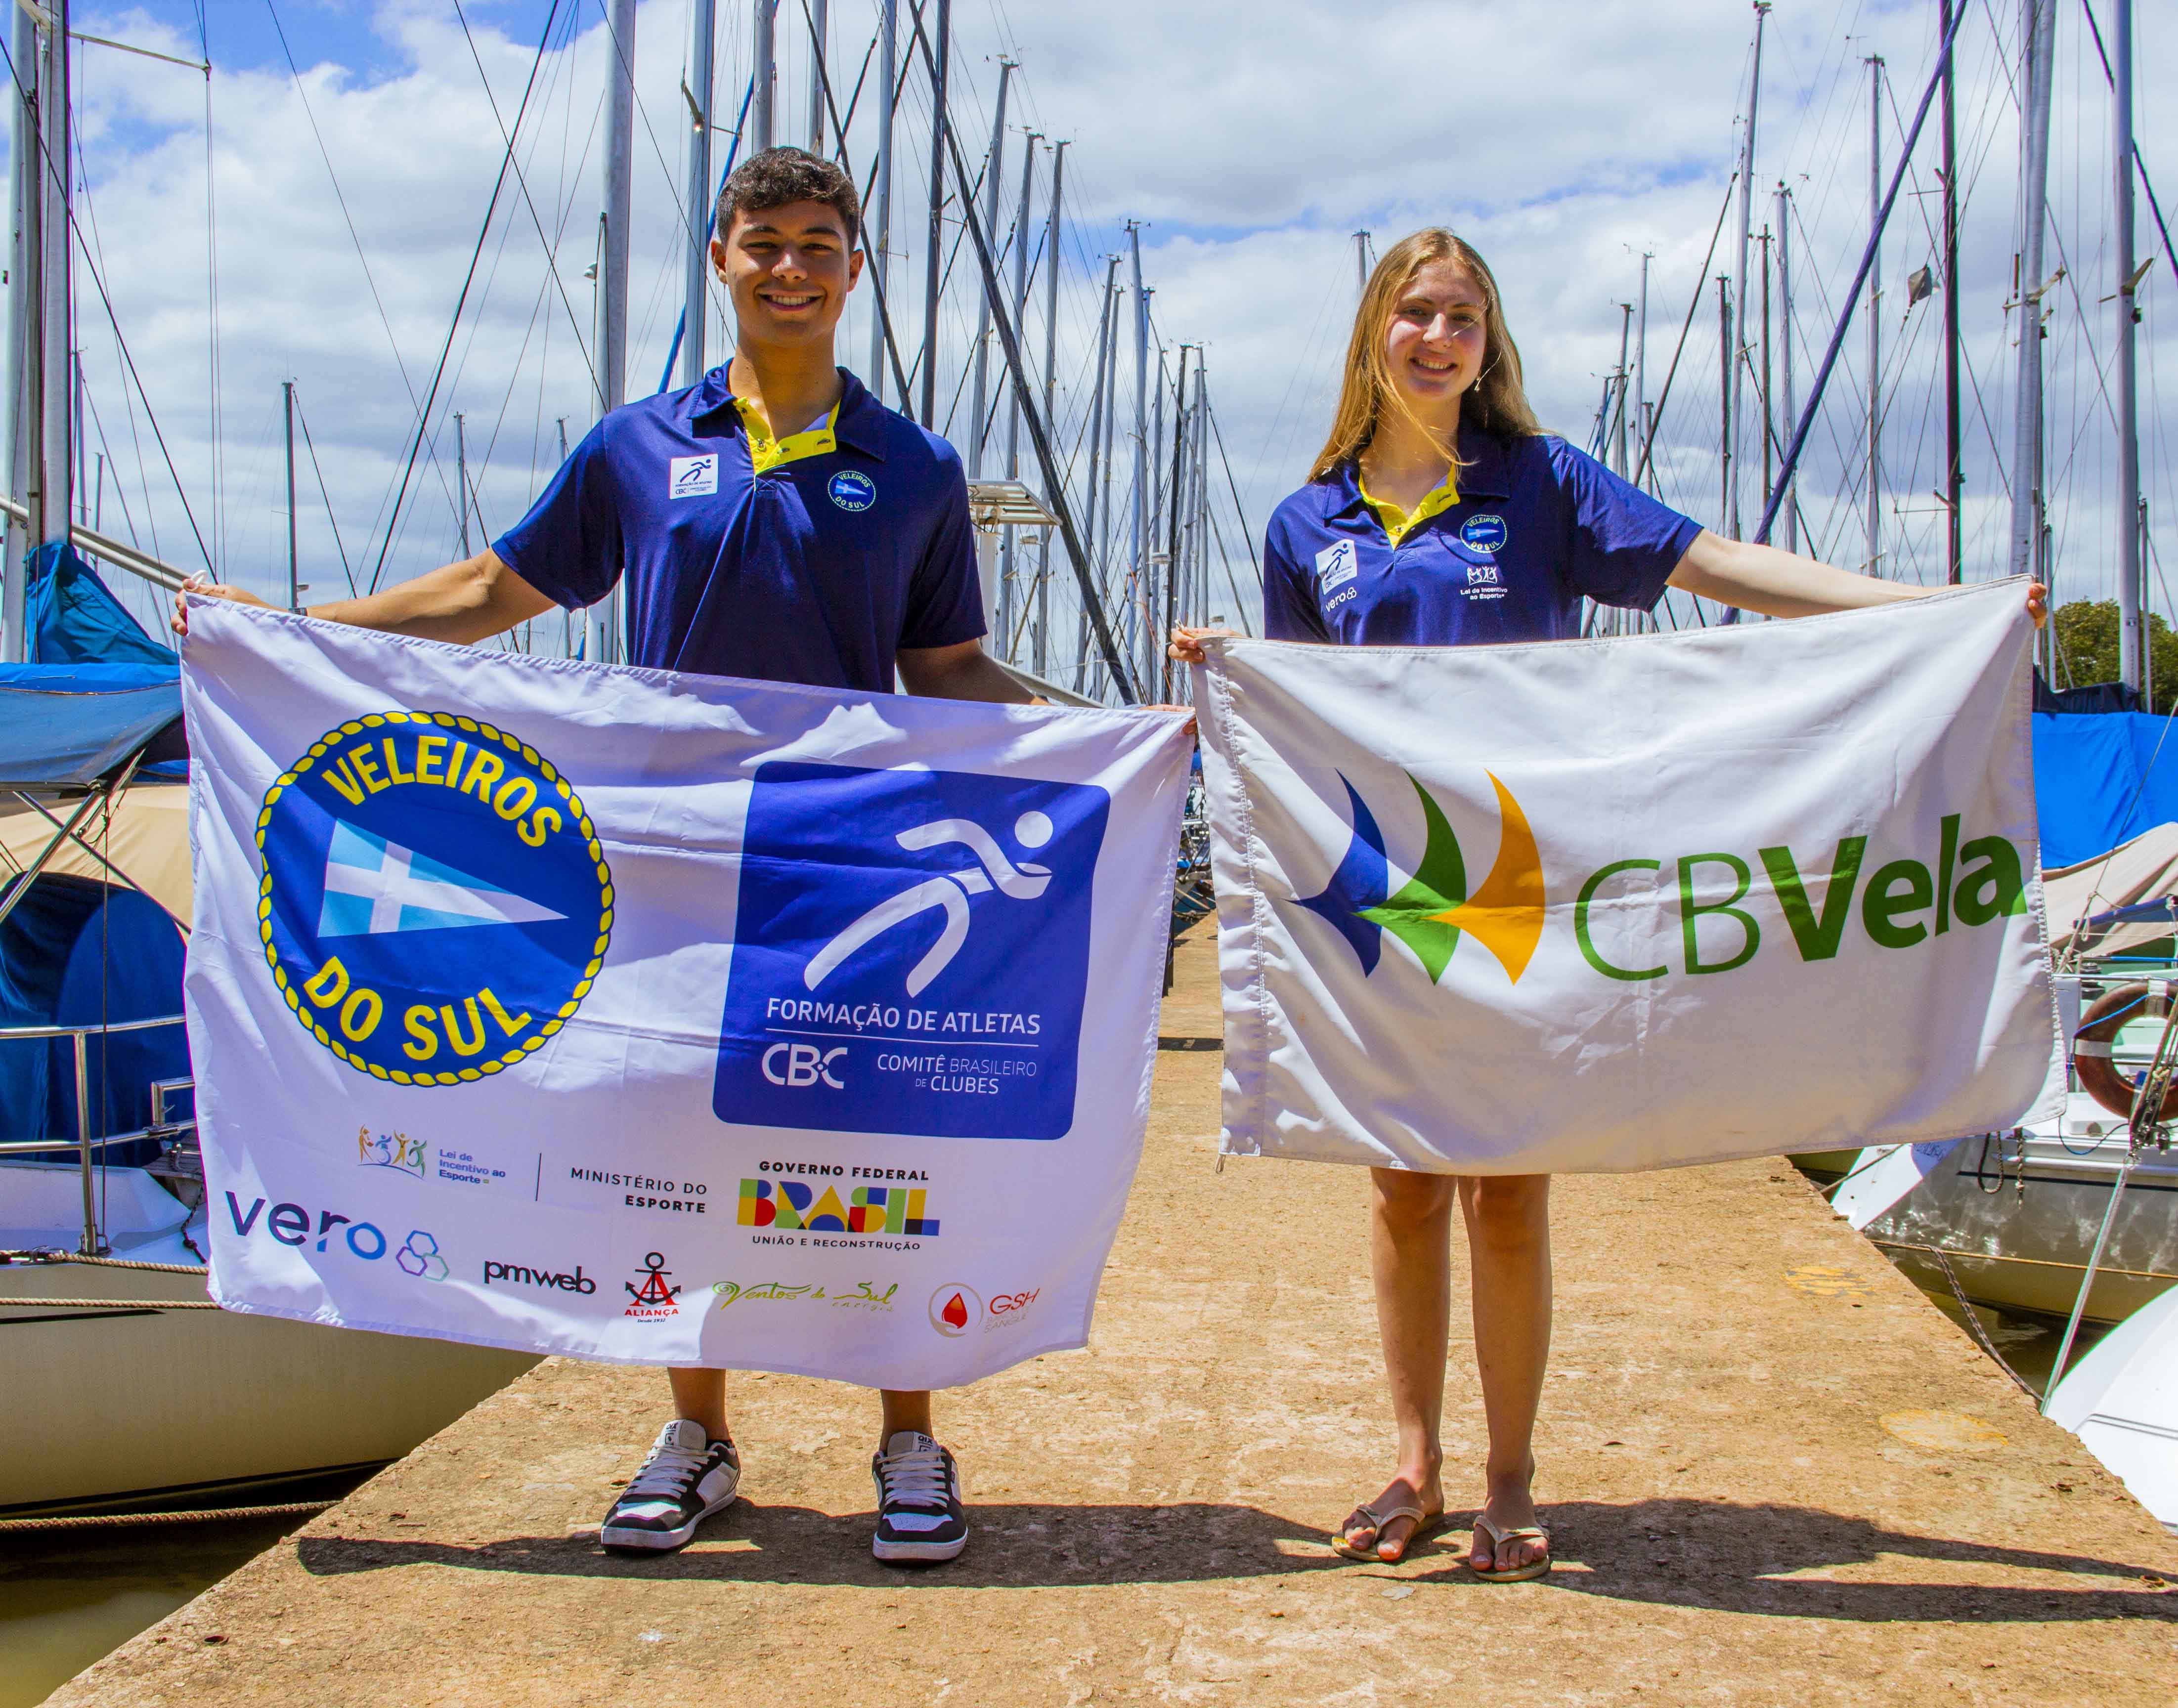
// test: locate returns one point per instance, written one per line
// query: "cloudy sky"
(354, 144)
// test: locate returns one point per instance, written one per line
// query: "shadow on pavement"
(1683, 1552)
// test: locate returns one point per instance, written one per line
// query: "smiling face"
(1434, 343)
(788, 269)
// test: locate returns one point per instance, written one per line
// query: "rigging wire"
(483, 232)
(347, 569)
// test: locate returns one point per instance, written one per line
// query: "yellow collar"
(766, 452)
(1396, 523)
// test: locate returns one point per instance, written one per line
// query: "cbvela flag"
(665, 1019)
(1626, 903)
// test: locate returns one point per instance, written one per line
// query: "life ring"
(2091, 1049)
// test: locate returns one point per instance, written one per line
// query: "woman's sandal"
(1498, 1538)
(1426, 1525)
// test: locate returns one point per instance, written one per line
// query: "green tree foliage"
(2087, 650)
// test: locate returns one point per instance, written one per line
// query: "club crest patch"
(1483, 533)
(436, 903)
(1336, 565)
(693, 477)
(853, 490)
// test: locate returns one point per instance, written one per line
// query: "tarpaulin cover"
(74, 620)
(63, 726)
(2098, 782)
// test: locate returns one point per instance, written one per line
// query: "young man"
(773, 521)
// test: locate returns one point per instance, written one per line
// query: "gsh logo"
(803, 1065)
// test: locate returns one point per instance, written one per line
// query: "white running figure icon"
(950, 892)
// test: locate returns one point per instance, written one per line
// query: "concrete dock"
(1775, 1474)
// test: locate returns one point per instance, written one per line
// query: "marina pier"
(1775, 1473)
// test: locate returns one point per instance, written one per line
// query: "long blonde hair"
(1496, 402)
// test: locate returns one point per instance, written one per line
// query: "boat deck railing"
(84, 1144)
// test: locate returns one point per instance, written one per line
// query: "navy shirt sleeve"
(1290, 611)
(1622, 544)
(945, 595)
(569, 547)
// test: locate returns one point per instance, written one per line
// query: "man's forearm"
(464, 602)
(965, 671)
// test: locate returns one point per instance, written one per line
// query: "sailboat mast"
(817, 11)
(1735, 387)
(764, 98)
(933, 261)
(602, 627)
(1043, 654)
(58, 439)
(462, 476)
(696, 286)
(1875, 315)
(2039, 29)
(1791, 413)
(1098, 523)
(2132, 645)
(1954, 471)
(27, 179)
(288, 408)
(1139, 526)
(1641, 357)
(1726, 471)
(1007, 583)
(993, 167)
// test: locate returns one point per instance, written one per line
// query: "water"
(2027, 1344)
(68, 1597)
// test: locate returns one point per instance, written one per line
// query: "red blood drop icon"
(955, 1312)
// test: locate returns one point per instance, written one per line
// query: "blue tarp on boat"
(100, 688)
(2100, 780)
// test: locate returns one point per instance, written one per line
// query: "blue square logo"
(910, 953)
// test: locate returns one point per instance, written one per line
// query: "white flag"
(1625, 903)
(665, 1019)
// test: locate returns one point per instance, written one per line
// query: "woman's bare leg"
(1508, 1239)
(1410, 1256)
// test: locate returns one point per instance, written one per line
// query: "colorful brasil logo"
(792, 1205)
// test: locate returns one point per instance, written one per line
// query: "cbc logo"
(803, 1064)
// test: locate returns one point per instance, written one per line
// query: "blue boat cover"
(100, 687)
(2101, 779)
(74, 620)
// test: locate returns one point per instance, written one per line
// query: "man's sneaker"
(919, 1515)
(688, 1477)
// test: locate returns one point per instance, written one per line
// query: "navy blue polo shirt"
(1535, 526)
(852, 541)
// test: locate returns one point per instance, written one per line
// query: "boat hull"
(108, 1406)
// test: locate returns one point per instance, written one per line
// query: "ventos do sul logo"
(910, 953)
(436, 903)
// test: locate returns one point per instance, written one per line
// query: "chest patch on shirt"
(853, 490)
(693, 477)
(1482, 582)
(1335, 565)
(1484, 533)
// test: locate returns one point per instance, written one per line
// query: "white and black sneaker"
(919, 1513)
(688, 1477)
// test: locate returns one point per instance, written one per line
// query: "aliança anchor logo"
(653, 1296)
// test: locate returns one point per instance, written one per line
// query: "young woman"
(1440, 514)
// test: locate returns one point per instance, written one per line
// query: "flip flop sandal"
(1498, 1538)
(1426, 1525)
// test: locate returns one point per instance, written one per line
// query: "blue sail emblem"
(375, 886)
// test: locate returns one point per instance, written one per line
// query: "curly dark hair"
(779, 176)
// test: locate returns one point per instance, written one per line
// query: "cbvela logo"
(436, 903)
(331, 1232)
(799, 1206)
(954, 1308)
(1431, 908)
(1336, 565)
(391, 1150)
(653, 1297)
(527, 1275)
(1639, 919)
(945, 911)
(853, 490)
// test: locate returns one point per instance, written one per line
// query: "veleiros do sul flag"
(1625, 903)
(665, 1019)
